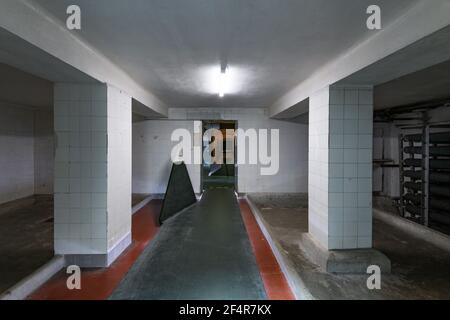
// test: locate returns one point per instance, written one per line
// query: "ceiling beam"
(422, 20)
(35, 25)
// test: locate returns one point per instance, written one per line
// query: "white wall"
(151, 155)
(25, 115)
(152, 147)
(44, 154)
(292, 176)
(319, 145)
(386, 137)
(26, 152)
(16, 152)
(118, 166)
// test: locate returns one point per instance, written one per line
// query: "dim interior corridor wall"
(26, 152)
(44, 153)
(16, 152)
(151, 155)
(152, 146)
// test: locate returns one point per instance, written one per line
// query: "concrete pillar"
(340, 167)
(92, 173)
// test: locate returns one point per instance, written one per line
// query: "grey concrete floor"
(386, 204)
(420, 270)
(201, 253)
(26, 238)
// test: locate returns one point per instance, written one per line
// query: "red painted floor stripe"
(275, 283)
(99, 284)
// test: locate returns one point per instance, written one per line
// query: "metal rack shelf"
(425, 176)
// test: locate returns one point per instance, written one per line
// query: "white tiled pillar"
(92, 173)
(340, 167)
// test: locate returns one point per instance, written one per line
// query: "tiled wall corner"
(347, 160)
(318, 164)
(80, 186)
(118, 166)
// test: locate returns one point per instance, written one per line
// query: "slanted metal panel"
(179, 194)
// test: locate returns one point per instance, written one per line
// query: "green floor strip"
(202, 253)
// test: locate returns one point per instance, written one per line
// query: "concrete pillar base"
(99, 260)
(343, 261)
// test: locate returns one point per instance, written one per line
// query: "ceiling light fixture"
(222, 83)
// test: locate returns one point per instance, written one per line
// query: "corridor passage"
(202, 253)
(224, 150)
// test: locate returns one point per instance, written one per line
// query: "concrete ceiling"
(173, 47)
(430, 84)
(427, 85)
(24, 56)
(418, 73)
(21, 88)
(25, 68)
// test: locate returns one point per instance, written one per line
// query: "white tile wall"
(92, 168)
(340, 167)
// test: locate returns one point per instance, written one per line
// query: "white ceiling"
(430, 84)
(20, 54)
(21, 88)
(171, 46)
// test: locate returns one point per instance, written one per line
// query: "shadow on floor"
(26, 238)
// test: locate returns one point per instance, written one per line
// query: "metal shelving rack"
(424, 161)
(425, 175)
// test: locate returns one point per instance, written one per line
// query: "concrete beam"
(32, 23)
(147, 113)
(429, 51)
(295, 111)
(420, 21)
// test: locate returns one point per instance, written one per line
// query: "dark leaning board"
(179, 194)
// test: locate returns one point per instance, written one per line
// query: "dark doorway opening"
(221, 172)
